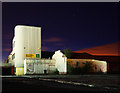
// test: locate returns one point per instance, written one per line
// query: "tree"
(67, 53)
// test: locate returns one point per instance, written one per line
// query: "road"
(34, 84)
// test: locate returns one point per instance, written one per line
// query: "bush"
(100, 72)
(87, 68)
(56, 71)
(72, 70)
(78, 70)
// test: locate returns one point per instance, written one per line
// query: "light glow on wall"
(97, 65)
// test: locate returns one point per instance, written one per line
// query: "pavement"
(50, 83)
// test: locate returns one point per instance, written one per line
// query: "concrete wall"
(38, 66)
(100, 65)
(96, 65)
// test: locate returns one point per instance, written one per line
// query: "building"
(27, 57)
(26, 53)
(46, 65)
(26, 43)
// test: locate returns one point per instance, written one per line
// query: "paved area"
(111, 81)
(103, 83)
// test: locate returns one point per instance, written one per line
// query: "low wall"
(41, 66)
(96, 65)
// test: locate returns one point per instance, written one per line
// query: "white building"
(27, 50)
(42, 66)
(61, 62)
(26, 55)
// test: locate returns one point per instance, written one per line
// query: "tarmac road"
(23, 84)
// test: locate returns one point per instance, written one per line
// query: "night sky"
(64, 25)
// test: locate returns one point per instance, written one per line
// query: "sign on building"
(32, 56)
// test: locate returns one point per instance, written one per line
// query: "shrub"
(56, 71)
(80, 70)
(72, 70)
(87, 68)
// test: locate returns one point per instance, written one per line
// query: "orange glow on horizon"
(108, 49)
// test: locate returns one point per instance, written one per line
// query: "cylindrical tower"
(19, 50)
(27, 42)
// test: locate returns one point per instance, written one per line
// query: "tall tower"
(26, 44)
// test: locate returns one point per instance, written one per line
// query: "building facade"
(26, 53)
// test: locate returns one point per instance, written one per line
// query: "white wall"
(61, 62)
(58, 61)
(97, 65)
(27, 41)
(37, 66)
(101, 65)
